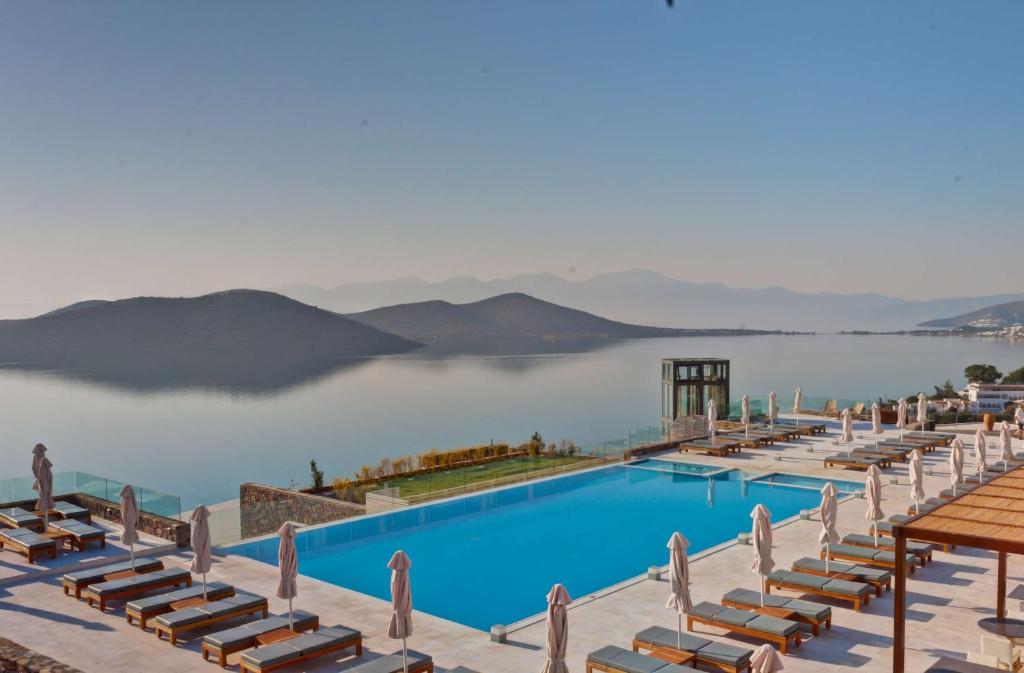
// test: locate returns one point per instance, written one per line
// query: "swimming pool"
(677, 466)
(490, 558)
(812, 483)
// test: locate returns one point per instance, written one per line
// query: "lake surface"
(201, 441)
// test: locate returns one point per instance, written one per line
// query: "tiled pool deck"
(945, 600)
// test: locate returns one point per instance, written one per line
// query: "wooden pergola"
(989, 517)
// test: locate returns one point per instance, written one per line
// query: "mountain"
(78, 305)
(513, 318)
(217, 337)
(650, 298)
(1006, 314)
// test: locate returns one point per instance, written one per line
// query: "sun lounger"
(880, 558)
(947, 494)
(79, 534)
(771, 436)
(779, 432)
(878, 578)
(751, 442)
(173, 624)
(858, 410)
(392, 663)
(68, 510)
(141, 610)
(101, 593)
(942, 438)
(15, 517)
(718, 447)
(612, 659)
(885, 528)
(764, 627)
(830, 408)
(851, 461)
(28, 542)
(79, 580)
(922, 550)
(246, 636)
(805, 612)
(299, 648)
(724, 657)
(804, 427)
(892, 453)
(857, 593)
(925, 507)
(925, 445)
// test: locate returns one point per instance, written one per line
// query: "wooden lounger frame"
(813, 623)
(878, 585)
(857, 601)
(80, 543)
(721, 450)
(131, 592)
(131, 615)
(172, 632)
(781, 641)
(833, 556)
(643, 645)
(121, 574)
(28, 552)
(898, 455)
(356, 641)
(751, 442)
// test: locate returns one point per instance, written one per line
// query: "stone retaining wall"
(264, 508)
(17, 659)
(173, 530)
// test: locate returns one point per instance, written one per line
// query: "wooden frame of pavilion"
(989, 517)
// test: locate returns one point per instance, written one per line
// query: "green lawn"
(482, 476)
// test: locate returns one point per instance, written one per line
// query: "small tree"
(317, 474)
(982, 374)
(1016, 376)
(945, 392)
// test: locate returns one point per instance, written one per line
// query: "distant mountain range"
(991, 317)
(514, 320)
(650, 298)
(258, 340)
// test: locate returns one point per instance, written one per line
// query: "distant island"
(1006, 319)
(514, 320)
(258, 340)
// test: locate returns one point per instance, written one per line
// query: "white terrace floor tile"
(945, 600)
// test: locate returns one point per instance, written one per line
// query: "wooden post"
(899, 607)
(1001, 587)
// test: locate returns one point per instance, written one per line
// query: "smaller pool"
(800, 481)
(677, 467)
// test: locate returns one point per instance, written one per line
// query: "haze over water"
(200, 443)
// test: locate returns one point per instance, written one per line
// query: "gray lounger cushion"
(875, 574)
(890, 557)
(706, 610)
(71, 510)
(748, 597)
(734, 617)
(773, 625)
(848, 588)
(799, 579)
(631, 662)
(391, 663)
(856, 552)
(246, 633)
(19, 518)
(78, 529)
(138, 582)
(912, 547)
(725, 654)
(231, 604)
(214, 591)
(658, 635)
(814, 611)
(27, 538)
(97, 574)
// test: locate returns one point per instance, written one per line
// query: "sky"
(177, 148)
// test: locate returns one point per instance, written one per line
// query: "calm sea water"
(200, 442)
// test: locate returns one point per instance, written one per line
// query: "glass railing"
(66, 483)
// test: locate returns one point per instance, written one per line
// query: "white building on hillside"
(993, 397)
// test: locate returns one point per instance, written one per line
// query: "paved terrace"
(945, 600)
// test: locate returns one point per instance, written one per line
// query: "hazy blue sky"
(180, 147)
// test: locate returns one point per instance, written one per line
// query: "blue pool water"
(676, 466)
(491, 558)
(813, 483)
